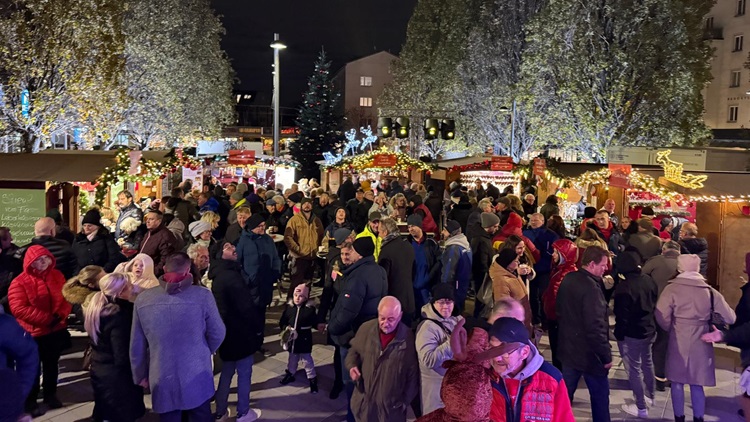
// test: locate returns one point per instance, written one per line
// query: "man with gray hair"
(397, 259)
(474, 223)
(662, 268)
(383, 363)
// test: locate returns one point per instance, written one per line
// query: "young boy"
(300, 315)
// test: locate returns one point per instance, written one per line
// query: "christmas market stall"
(245, 166)
(380, 165)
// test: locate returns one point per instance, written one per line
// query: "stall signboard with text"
(620, 175)
(501, 163)
(240, 157)
(540, 166)
(19, 211)
(384, 160)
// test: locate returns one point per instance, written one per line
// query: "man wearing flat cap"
(302, 236)
(522, 381)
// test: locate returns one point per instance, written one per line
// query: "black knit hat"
(364, 246)
(254, 221)
(443, 291)
(92, 216)
(505, 257)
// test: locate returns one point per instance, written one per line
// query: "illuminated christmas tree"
(317, 120)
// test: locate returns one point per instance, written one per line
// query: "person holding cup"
(506, 281)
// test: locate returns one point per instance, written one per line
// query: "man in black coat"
(482, 250)
(244, 322)
(44, 235)
(584, 332)
(95, 245)
(397, 259)
(461, 211)
(346, 190)
(692, 244)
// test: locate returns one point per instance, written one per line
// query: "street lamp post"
(276, 45)
(512, 126)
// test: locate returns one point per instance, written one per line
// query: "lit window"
(738, 42)
(735, 79)
(365, 101)
(365, 81)
(733, 112)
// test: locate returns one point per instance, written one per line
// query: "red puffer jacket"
(36, 298)
(513, 227)
(569, 252)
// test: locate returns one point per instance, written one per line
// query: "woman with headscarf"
(140, 270)
(684, 310)
(36, 300)
(109, 318)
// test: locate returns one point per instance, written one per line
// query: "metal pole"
(513, 130)
(276, 82)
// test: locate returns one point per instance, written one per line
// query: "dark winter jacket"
(742, 310)
(662, 268)
(346, 191)
(301, 318)
(261, 265)
(18, 349)
(615, 242)
(333, 226)
(543, 238)
(635, 300)
(460, 212)
(435, 205)
(583, 324)
(279, 219)
(60, 249)
(492, 191)
(116, 397)
(159, 244)
(646, 243)
(333, 285)
(102, 250)
(397, 259)
(134, 239)
(366, 283)
(237, 304)
(211, 205)
(131, 210)
(234, 231)
(186, 212)
(457, 264)
(482, 251)
(429, 250)
(473, 223)
(697, 246)
(324, 213)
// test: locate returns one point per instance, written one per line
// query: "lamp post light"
(512, 126)
(276, 45)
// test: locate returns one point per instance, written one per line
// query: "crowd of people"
(426, 295)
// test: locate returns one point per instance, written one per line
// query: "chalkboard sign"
(19, 210)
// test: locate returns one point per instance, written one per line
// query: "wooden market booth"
(380, 164)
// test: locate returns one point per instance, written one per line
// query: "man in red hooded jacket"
(36, 300)
(564, 258)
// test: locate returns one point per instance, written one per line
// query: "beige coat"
(507, 284)
(302, 236)
(390, 378)
(683, 310)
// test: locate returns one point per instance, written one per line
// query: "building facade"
(727, 98)
(360, 83)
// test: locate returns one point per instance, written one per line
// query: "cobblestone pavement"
(294, 402)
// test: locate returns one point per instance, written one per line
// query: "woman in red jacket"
(36, 300)
(564, 257)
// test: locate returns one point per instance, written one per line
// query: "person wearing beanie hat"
(95, 244)
(259, 257)
(428, 222)
(482, 252)
(254, 221)
(200, 232)
(279, 216)
(303, 235)
(372, 230)
(507, 283)
(295, 198)
(516, 361)
(433, 340)
(237, 200)
(683, 310)
(456, 262)
(296, 324)
(340, 220)
(426, 260)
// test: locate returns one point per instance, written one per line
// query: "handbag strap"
(296, 318)
(440, 324)
(711, 292)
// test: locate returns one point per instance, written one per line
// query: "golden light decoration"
(673, 172)
(365, 162)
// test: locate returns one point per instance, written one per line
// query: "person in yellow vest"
(371, 230)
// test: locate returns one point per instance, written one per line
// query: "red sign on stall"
(240, 157)
(540, 166)
(620, 175)
(501, 163)
(384, 160)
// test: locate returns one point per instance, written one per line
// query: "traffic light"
(448, 129)
(385, 124)
(431, 128)
(402, 127)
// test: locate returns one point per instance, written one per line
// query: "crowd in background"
(416, 282)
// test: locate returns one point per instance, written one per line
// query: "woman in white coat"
(684, 311)
(433, 344)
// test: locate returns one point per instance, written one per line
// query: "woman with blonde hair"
(108, 320)
(212, 218)
(398, 204)
(380, 204)
(78, 290)
(140, 271)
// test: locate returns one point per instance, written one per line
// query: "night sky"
(347, 29)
